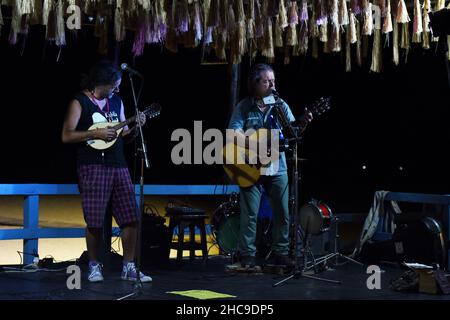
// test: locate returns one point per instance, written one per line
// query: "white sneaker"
(129, 273)
(95, 273)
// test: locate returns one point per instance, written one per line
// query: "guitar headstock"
(153, 111)
(320, 106)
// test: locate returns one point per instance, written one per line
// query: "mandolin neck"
(124, 123)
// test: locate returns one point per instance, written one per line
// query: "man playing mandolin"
(103, 174)
(253, 113)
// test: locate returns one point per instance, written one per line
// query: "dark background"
(399, 118)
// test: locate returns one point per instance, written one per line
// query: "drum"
(226, 223)
(315, 217)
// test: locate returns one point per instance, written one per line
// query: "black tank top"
(113, 156)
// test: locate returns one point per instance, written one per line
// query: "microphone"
(275, 93)
(125, 67)
(272, 99)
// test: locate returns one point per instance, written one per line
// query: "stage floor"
(196, 275)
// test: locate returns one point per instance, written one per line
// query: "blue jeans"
(277, 191)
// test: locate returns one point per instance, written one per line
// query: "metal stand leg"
(301, 273)
(336, 254)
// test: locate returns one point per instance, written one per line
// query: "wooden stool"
(183, 221)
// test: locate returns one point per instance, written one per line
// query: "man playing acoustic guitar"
(253, 113)
(103, 174)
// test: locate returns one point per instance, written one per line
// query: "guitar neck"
(303, 122)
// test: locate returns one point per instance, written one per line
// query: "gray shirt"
(246, 115)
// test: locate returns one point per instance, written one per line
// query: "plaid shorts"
(98, 184)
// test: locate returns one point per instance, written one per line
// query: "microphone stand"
(295, 137)
(137, 287)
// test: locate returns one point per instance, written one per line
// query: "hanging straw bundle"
(211, 19)
(182, 14)
(241, 28)
(382, 5)
(387, 23)
(314, 30)
(207, 35)
(251, 29)
(280, 25)
(47, 7)
(367, 18)
(144, 4)
(197, 22)
(259, 20)
(224, 24)
(89, 6)
(348, 50)
(171, 36)
(343, 13)
(221, 32)
(233, 32)
(282, 15)
(214, 14)
(322, 22)
(219, 45)
(267, 46)
(356, 6)
(322, 12)
(49, 19)
(376, 48)
(291, 34)
(119, 23)
(323, 32)
(60, 39)
(304, 17)
(160, 21)
(140, 38)
(151, 33)
(278, 34)
(358, 44)
(303, 39)
(15, 26)
(158, 25)
(131, 17)
(403, 19)
(395, 55)
(352, 28)
(237, 31)
(272, 8)
(402, 13)
(335, 42)
(35, 17)
(303, 35)
(24, 7)
(417, 26)
(426, 25)
(250, 25)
